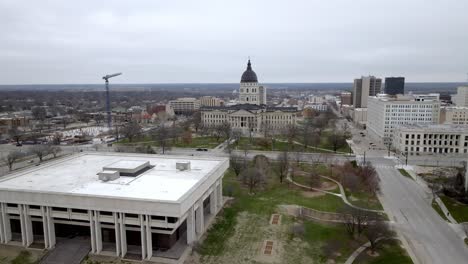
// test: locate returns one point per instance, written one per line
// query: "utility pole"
(406, 158)
(364, 157)
(109, 117)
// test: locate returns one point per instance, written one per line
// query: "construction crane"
(109, 117)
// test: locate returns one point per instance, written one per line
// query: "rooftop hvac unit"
(183, 165)
(108, 175)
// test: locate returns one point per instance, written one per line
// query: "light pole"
(109, 118)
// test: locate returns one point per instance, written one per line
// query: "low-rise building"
(127, 204)
(360, 116)
(185, 105)
(346, 98)
(423, 139)
(321, 107)
(461, 98)
(211, 101)
(456, 115)
(385, 113)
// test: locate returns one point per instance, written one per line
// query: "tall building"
(395, 85)
(385, 113)
(363, 88)
(124, 203)
(252, 115)
(250, 92)
(461, 98)
(346, 98)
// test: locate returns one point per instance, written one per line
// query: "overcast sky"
(209, 41)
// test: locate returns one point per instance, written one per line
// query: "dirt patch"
(312, 194)
(9, 253)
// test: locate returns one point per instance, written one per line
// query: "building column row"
(191, 236)
(120, 234)
(5, 228)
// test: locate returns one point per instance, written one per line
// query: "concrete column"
(200, 221)
(213, 201)
(28, 226)
(22, 224)
(220, 194)
(149, 238)
(191, 237)
(6, 224)
(45, 226)
(2, 230)
(143, 236)
(98, 231)
(92, 227)
(50, 227)
(117, 234)
(123, 235)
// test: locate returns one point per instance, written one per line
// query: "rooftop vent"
(183, 165)
(108, 175)
(130, 168)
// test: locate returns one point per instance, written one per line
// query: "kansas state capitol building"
(252, 113)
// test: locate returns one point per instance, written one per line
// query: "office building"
(461, 98)
(346, 98)
(454, 115)
(385, 113)
(424, 139)
(363, 88)
(211, 101)
(394, 85)
(185, 105)
(126, 204)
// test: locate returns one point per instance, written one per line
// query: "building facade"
(394, 85)
(145, 205)
(210, 101)
(426, 139)
(365, 87)
(454, 115)
(461, 98)
(250, 91)
(346, 98)
(252, 115)
(385, 113)
(185, 105)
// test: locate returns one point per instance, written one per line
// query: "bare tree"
(131, 130)
(283, 165)
(57, 138)
(55, 150)
(376, 230)
(39, 113)
(314, 179)
(196, 121)
(15, 134)
(12, 157)
(337, 140)
(370, 179)
(253, 178)
(162, 136)
(356, 220)
(262, 163)
(41, 151)
(237, 164)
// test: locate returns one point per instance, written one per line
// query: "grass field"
(458, 210)
(438, 210)
(197, 142)
(389, 252)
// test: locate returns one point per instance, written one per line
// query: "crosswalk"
(384, 166)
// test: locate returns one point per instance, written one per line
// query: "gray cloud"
(209, 41)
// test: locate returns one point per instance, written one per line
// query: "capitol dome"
(249, 75)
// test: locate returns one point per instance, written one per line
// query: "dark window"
(131, 215)
(172, 220)
(34, 207)
(105, 213)
(12, 205)
(61, 209)
(81, 211)
(158, 217)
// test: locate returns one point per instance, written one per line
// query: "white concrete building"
(147, 205)
(210, 101)
(424, 139)
(385, 113)
(360, 116)
(321, 107)
(456, 115)
(461, 98)
(185, 105)
(252, 115)
(250, 92)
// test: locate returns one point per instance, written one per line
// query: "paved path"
(68, 251)
(358, 251)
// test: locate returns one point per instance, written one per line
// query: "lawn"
(458, 210)
(389, 252)
(364, 200)
(265, 145)
(438, 210)
(197, 142)
(405, 173)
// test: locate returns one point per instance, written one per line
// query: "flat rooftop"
(434, 128)
(78, 175)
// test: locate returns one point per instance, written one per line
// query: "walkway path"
(69, 251)
(342, 193)
(358, 251)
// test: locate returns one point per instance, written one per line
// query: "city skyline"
(209, 42)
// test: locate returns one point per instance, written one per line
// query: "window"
(34, 207)
(60, 209)
(158, 217)
(80, 211)
(131, 215)
(105, 213)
